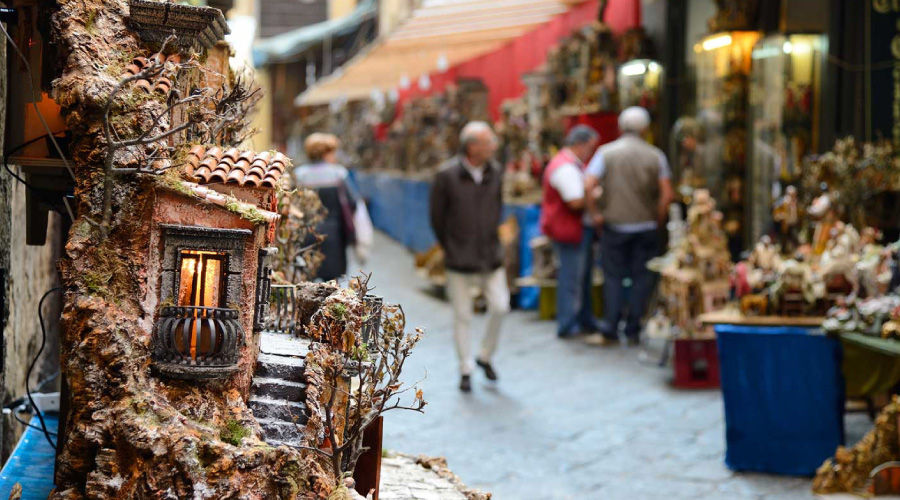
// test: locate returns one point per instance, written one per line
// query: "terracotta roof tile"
(244, 168)
(160, 83)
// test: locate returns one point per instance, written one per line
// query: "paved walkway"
(566, 421)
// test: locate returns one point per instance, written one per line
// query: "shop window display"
(723, 74)
(640, 85)
(784, 96)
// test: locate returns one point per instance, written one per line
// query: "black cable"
(37, 411)
(37, 191)
(28, 424)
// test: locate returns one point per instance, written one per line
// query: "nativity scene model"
(194, 368)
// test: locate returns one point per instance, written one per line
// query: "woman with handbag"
(330, 181)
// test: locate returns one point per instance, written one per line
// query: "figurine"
(822, 211)
(786, 214)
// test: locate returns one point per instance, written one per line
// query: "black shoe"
(488, 369)
(465, 384)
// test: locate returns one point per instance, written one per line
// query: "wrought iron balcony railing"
(284, 313)
(197, 342)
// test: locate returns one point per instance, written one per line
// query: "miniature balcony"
(197, 342)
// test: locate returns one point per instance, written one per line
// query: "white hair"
(471, 131)
(634, 119)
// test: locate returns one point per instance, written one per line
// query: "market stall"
(807, 318)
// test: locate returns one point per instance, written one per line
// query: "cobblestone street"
(566, 420)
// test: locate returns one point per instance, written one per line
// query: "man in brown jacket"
(636, 187)
(466, 210)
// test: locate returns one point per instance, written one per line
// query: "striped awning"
(439, 34)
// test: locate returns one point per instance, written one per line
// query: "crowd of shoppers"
(613, 198)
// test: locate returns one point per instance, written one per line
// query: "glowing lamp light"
(716, 42)
(788, 47)
(802, 48)
(653, 67)
(634, 69)
(424, 82)
(443, 64)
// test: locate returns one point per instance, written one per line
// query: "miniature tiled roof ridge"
(160, 84)
(193, 25)
(217, 198)
(215, 165)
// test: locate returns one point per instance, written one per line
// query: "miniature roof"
(243, 168)
(217, 198)
(160, 83)
(155, 21)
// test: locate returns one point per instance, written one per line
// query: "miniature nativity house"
(210, 237)
(174, 389)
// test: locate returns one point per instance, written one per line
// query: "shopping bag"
(365, 232)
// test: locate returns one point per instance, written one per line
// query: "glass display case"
(723, 65)
(784, 105)
(640, 84)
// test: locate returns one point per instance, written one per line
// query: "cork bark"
(130, 434)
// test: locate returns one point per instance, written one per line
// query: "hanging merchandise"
(723, 72)
(784, 106)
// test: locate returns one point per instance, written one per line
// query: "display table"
(784, 397)
(735, 318)
(31, 463)
(871, 364)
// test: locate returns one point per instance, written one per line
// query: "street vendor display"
(695, 271)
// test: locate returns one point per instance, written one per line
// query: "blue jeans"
(625, 255)
(574, 289)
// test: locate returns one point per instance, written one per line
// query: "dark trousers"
(624, 256)
(574, 288)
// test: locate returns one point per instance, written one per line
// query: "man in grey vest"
(634, 180)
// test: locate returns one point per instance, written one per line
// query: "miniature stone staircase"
(279, 388)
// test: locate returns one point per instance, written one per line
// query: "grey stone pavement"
(566, 421)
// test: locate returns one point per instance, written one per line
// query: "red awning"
(497, 43)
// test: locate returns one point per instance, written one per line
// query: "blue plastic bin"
(784, 398)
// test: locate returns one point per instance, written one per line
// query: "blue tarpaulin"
(399, 207)
(31, 463)
(784, 398)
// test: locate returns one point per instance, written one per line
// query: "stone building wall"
(30, 271)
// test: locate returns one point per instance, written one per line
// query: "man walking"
(636, 191)
(466, 208)
(563, 221)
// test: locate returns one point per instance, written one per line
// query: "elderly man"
(636, 191)
(563, 221)
(466, 207)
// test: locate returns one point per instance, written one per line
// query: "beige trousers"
(461, 288)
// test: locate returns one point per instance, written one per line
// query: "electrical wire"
(41, 116)
(37, 191)
(34, 101)
(29, 424)
(37, 411)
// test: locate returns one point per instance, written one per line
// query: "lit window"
(202, 280)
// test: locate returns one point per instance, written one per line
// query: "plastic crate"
(696, 364)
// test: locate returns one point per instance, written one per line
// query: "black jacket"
(466, 216)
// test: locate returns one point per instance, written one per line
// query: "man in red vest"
(563, 221)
